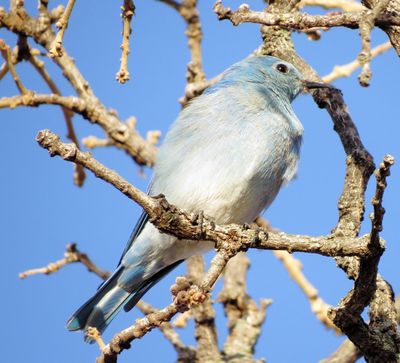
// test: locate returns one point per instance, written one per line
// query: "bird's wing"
(138, 228)
(135, 233)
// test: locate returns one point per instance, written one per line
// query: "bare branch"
(92, 142)
(185, 354)
(204, 317)
(346, 353)
(245, 318)
(185, 297)
(95, 335)
(128, 10)
(56, 49)
(79, 174)
(377, 217)
(393, 31)
(294, 268)
(366, 25)
(297, 20)
(71, 255)
(196, 79)
(347, 69)
(6, 53)
(123, 137)
(375, 345)
(181, 320)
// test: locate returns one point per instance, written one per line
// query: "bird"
(227, 154)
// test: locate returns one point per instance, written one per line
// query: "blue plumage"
(228, 154)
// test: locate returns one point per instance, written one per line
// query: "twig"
(297, 20)
(186, 354)
(367, 23)
(185, 297)
(92, 142)
(181, 320)
(347, 69)
(294, 268)
(95, 335)
(79, 173)
(71, 255)
(392, 31)
(123, 137)
(204, 317)
(245, 318)
(346, 353)
(6, 53)
(195, 73)
(377, 217)
(56, 49)
(128, 10)
(374, 344)
(318, 306)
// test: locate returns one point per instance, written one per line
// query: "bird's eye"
(283, 68)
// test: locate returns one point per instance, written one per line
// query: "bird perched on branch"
(228, 154)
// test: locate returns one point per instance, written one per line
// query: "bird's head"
(267, 73)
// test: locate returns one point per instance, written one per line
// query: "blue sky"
(41, 209)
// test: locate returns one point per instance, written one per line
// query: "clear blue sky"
(41, 209)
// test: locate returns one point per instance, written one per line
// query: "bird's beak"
(309, 85)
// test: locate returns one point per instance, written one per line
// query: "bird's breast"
(230, 174)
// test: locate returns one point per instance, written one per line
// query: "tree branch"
(71, 255)
(169, 219)
(79, 174)
(185, 297)
(56, 49)
(185, 354)
(124, 138)
(347, 69)
(245, 318)
(204, 317)
(297, 20)
(128, 11)
(196, 79)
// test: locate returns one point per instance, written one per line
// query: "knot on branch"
(50, 141)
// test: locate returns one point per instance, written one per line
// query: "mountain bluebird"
(228, 154)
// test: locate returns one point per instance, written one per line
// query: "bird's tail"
(101, 308)
(110, 298)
